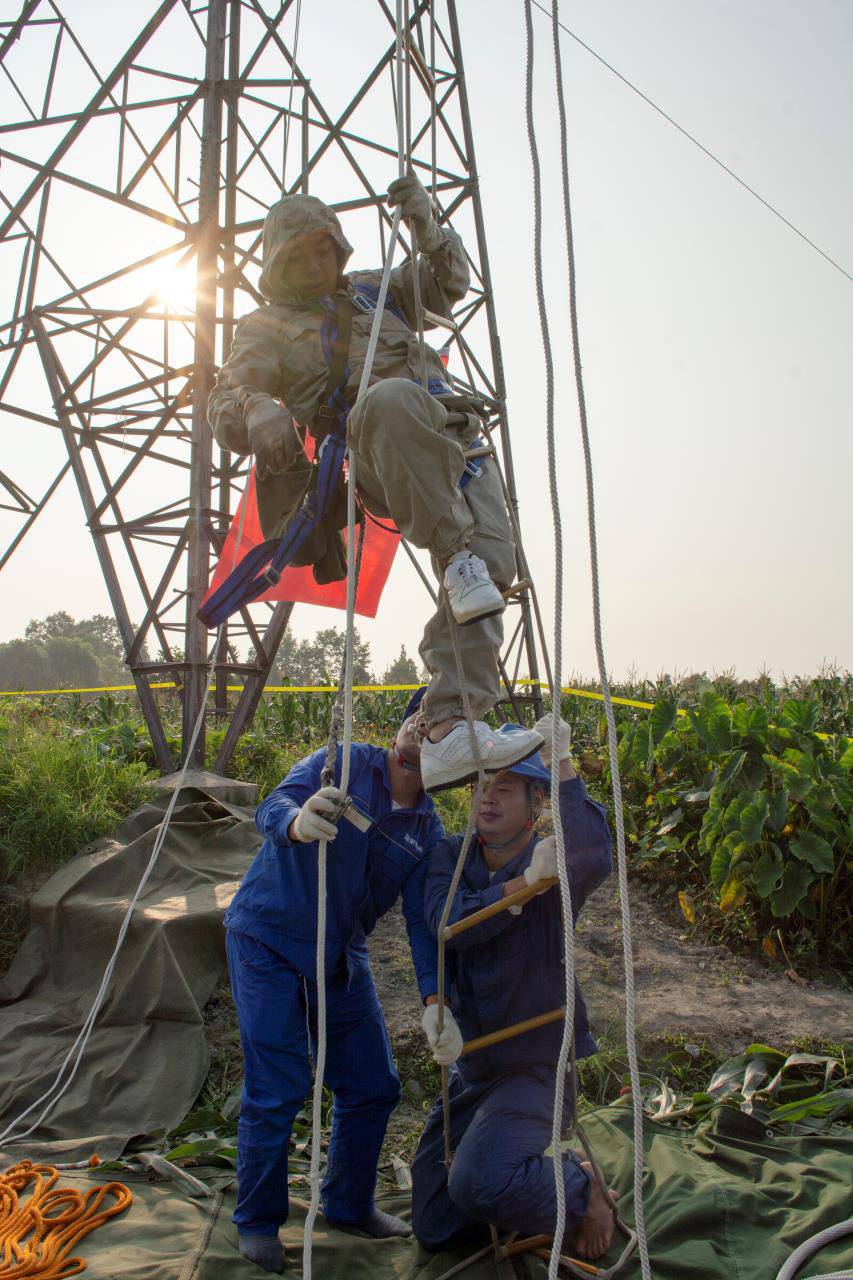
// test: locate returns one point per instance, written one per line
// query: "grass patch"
(57, 792)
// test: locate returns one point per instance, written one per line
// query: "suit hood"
(287, 221)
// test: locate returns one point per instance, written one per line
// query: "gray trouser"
(408, 467)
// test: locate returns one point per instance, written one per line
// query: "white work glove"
(310, 824)
(272, 438)
(545, 726)
(416, 207)
(446, 1045)
(543, 864)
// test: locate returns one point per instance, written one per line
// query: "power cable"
(691, 138)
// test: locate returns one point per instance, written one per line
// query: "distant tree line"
(57, 652)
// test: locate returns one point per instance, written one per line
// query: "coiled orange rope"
(38, 1232)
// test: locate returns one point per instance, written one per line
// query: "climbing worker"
(271, 943)
(502, 971)
(299, 360)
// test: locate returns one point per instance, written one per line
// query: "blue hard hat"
(415, 701)
(532, 767)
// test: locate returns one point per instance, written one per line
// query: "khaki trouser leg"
(408, 468)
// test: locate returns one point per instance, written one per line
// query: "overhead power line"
(700, 145)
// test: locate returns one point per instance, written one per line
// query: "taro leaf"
(687, 908)
(814, 850)
(720, 863)
(670, 822)
(661, 718)
(846, 760)
(753, 817)
(749, 722)
(731, 768)
(798, 784)
(778, 809)
(796, 881)
(696, 797)
(767, 872)
(802, 715)
(732, 894)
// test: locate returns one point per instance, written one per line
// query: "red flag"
(380, 547)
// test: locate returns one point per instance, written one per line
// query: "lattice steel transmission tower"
(132, 206)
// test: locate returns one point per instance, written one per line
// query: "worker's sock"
(267, 1252)
(382, 1226)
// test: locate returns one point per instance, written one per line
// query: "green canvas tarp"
(147, 1058)
(724, 1201)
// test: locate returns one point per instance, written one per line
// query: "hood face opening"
(287, 221)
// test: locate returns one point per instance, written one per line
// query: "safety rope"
(568, 1028)
(37, 1233)
(612, 739)
(559, 836)
(352, 566)
(289, 117)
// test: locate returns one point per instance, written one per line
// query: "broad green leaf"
(831, 1102)
(749, 722)
(767, 871)
(696, 797)
(753, 817)
(802, 715)
(730, 769)
(720, 864)
(847, 757)
(798, 784)
(814, 850)
(796, 881)
(778, 815)
(202, 1147)
(662, 718)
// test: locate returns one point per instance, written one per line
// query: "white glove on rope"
(416, 207)
(310, 824)
(272, 438)
(447, 1045)
(543, 864)
(545, 726)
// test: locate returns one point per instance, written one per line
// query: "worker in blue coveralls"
(502, 971)
(271, 939)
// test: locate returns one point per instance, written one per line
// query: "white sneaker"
(472, 593)
(450, 762)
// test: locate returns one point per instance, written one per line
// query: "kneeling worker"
(502, 971)
(271, 941)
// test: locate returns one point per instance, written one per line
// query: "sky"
(716, 344)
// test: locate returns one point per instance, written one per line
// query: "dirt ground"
(684, 987)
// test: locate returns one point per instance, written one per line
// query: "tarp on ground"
(147, 1058)
(725, 1201)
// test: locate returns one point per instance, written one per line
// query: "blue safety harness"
(262, 567)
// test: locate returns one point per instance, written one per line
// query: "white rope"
(810, 1247)
(289, 116)
(320, 1066)
(58, 1088)
(568, 1028)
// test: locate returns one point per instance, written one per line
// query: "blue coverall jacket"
(272, 930)
(502, 971)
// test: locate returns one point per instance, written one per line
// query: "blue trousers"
(277, 1011)
(499, 1128)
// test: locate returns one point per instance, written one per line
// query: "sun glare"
(175, 286)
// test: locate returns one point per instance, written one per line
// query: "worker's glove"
(545, 726)
(543, 864)
(446, 1045)
(416, 207)
(272, 438)
(312, 820)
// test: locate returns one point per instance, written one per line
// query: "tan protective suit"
(409, 458)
